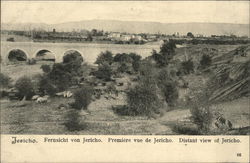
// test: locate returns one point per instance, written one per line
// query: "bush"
(60, 76)
(126, 60)
(11, 39)
(64, 75)
(168, 49)
(31, 61)
(4, 81)
(167, 83)
(123, 57)
(143, 100)
(187, 67)
(166, 54)
(125, 67)
(185, 129)
(205, 61)
(104, 72)
(104, 57)
(46, 68)
(169, 89)
(121, 110)
(25, 87)
(82, 98)
(73, 56)
(202, 117)
(159, 59)
(72, 122)
(136, 61)
(46, 86)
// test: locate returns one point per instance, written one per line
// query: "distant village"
(99, 36)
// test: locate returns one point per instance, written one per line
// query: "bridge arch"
(73, 51)
(15, 55)
(45, 55)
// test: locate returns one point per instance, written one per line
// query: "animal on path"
(42, 99)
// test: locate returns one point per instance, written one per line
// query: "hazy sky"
(158, 11)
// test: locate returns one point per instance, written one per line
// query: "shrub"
(185, 129)
(166, 81)
(46, 68)
(60, 76)
(72, 56)
(111, 89)
(166, 74)
(4, 81)
(146, 68)
(159, 59)
(82, 98)
(104, 57)
(122, 57)
(46, 86)
(31, 61)
(25, 87)
(187, 67)
(11, 39)
(136, 61)
(202, 116)
(124, 67)
(143, 100)
(63, 75)
(104, 72)
(126, 60)
(72, 122)
(205, 61)
(167, 52)
(136, 65)
(135, 56)
(121, 110)
(168, 49)
(169, 89)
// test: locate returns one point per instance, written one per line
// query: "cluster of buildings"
(116, 36)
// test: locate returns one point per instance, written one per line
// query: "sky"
(153, 11)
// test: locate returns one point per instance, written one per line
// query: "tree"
(104, 57)
(189, 34)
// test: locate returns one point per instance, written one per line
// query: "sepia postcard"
(125, 81)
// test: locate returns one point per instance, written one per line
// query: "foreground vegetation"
(165, 93)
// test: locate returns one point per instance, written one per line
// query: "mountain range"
(138, 27)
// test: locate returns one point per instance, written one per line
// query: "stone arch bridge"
(32, 50)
